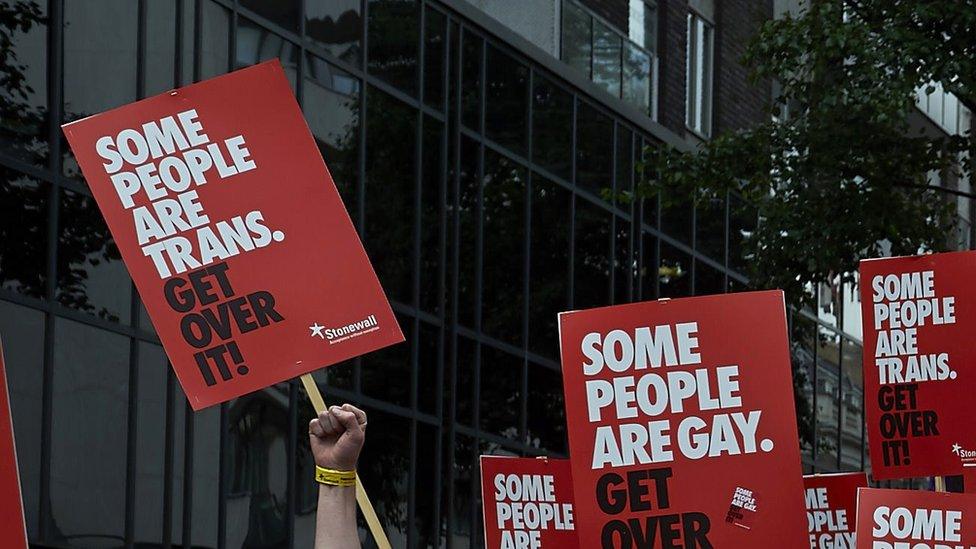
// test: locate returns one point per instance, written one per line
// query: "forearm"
(335, 523)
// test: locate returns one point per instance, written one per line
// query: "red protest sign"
(911, 519)
(682, 425)
(918, 317)
(234, 233)
(13, 529)
(527, 503)
(831, 502)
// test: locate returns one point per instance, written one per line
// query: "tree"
(843, 176)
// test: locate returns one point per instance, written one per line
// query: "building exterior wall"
(474, 173)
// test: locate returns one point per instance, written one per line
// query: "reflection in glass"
(501, 392)
(636, 77)
(552, 127)
(649, 272)
(331, 105)
(505, 105)
(91, 276)
(606, 58)
(465, 512)
(214, 49)
(624, 267)
(90, 392)
(336, 25)
(23, 89)
(742, 225)
(23, 233)
(467, 357)
(549, 272)
(708, 280)
(466, 210)
(677, 214)
(674, 272)
(803, 354)
(161, 46)
(576, 37)
(852, 406)
(425, 498)
(591, 282)
(390, 189)
(280, 12)
(594, 150)
(254, 44)
(472, 50)
(429, 356)
(503, 221)
(152, 375)
(546, 421)
(394, 35)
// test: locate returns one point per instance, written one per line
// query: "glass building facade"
(485, 187)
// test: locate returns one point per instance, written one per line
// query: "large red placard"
(682, 424)
(912, 519)
(831, 502)
(12, 526)
(918, 317)
(527, 503)
(233, 231)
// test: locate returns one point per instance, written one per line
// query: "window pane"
(606, 58)
(387, 372)
(150, 442)
(467, 211)
(852, 403)
(22, 334)
(23, 233)
(506, 111)
(592, 256)
(429, 357)
(501, 392)
(90, 392)
(91, 276)
(742, 225)
(576, 44)
(710, 229)
(280, 12)
(390, 189)
(674, 272)
(23, 95)
(649, 271)
(394, 35)
(802, 352)
(215, 43)
(254, 44)
(331, 104)
(594, 150)
(384, 467)
(708, 280)
(623, 266)
(160, 46)
(637, 77)
(427, 474)
(435, 27)
(504, 243)
(676, 216)
(336, 25)
(464, 461)
(642, 25)
(471, 57)
(99, 47)
(546, 421)
(552, 127)
(432, 220)
(467, 354)
(552, 211)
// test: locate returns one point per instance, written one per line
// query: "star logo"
(956, 449)
(317, 330)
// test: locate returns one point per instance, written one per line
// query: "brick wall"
(738, 103)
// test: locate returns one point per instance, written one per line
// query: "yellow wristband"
(331, 477)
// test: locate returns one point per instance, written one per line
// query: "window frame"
(699, 74)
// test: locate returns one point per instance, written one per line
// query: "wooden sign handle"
(362, 499)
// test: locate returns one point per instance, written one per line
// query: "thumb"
(347, 419)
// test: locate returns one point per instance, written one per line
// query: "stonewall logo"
(343, 333)
(967, 457)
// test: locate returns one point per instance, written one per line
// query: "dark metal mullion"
(188, 418)
(415, 336)
(526, 261)
(55, 88)
(133, 380)
(357, 364)
(455, 134)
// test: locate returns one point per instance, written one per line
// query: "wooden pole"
(940, 485)
(362, 499)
